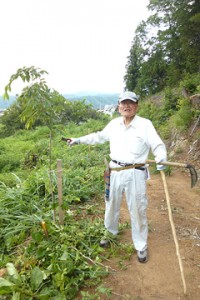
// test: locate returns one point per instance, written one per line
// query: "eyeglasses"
(127, 102)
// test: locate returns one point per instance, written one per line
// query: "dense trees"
(166, 47)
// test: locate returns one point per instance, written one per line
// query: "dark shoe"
(104, 243)
(142, 256)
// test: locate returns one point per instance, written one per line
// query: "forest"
(165, 48)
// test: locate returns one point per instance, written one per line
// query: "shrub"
(170, 101)
(151, 111)
(191, 83)
(183, 117)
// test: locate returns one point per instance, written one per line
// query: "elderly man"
(131, 138)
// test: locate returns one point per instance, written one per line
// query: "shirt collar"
(133, 122)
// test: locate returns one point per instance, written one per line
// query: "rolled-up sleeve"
(156, 144)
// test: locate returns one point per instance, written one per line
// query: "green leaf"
(64, 256)
(13, 273)
(59, 297)
(37, 277)
(4, 282)
(46, 293)
(5, 95)
(16, 296)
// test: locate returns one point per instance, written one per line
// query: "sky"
(82, 44)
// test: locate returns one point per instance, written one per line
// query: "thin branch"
(92, 261)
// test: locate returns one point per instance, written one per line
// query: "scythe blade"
(193, 175)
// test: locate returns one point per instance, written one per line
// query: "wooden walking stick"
(60, 201)
(173, 228)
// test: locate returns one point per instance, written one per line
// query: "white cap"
(128, 96)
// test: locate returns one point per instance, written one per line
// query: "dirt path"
(160, 277)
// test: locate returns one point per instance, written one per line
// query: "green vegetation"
(56, 263)
(45, 259)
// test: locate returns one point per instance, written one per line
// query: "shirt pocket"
(138, 146)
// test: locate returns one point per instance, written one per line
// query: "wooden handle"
(167, 163)
(173, 229)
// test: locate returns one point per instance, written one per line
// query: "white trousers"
(132, 182)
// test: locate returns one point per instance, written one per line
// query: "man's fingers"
(68, 140)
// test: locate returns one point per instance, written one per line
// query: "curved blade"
(193, 174)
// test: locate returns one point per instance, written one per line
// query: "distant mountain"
(98, 101)
(6, 103)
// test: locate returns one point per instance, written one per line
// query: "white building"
(2, 111)
(109, 109)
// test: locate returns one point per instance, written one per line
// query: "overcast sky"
(82, 44)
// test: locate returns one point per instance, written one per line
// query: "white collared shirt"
(129, 144)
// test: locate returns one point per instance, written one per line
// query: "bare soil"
(160, 277)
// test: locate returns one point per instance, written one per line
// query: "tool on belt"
(107, 180)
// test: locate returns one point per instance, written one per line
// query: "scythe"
(191, 169)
